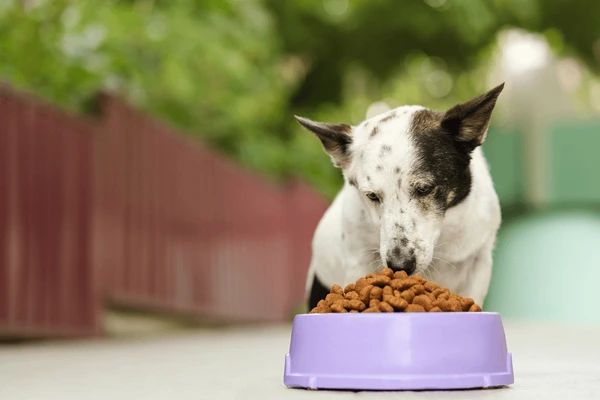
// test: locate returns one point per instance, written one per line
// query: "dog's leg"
(480, 275)
(317, 292)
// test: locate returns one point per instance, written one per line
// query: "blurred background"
(150, 164)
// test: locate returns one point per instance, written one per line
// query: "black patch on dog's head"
(442, 159)
(444, 143)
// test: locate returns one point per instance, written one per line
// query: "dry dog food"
(389, 291)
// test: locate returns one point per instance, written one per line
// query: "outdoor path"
(550, 362)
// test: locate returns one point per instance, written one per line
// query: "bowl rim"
(394, 314)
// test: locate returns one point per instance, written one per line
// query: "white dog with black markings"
(417, 197)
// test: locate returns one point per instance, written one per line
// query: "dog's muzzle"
(399, 262)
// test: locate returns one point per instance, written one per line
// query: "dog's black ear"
(336, 139)
(469, 121)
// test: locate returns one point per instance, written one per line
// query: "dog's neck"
(466, 226)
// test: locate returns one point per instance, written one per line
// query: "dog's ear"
(336, 139)
(469, 121)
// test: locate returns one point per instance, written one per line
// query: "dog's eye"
(423, 190)
(373, 197)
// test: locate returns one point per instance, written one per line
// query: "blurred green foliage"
(209, 67)
(234, 72)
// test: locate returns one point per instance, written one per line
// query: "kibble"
(385, 307)
(415, 308)
(389, 291)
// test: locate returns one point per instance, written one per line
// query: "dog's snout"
(408, 265)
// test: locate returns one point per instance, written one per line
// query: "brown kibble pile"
(389, 291)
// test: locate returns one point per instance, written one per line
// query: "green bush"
(233, 72)
(212, 68)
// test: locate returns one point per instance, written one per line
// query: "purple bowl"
(398, 351)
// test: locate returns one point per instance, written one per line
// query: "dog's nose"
(408, 265)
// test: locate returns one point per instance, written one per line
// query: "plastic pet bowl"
(398, 351)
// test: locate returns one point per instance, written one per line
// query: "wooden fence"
(119, 208)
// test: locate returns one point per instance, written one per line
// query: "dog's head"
(409, 165)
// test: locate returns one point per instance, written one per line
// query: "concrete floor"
(550, 362)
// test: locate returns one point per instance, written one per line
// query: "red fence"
(47, 285)
(122, 209)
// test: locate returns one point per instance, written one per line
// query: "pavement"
(550, 362)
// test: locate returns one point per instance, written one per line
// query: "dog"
(417, 197)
